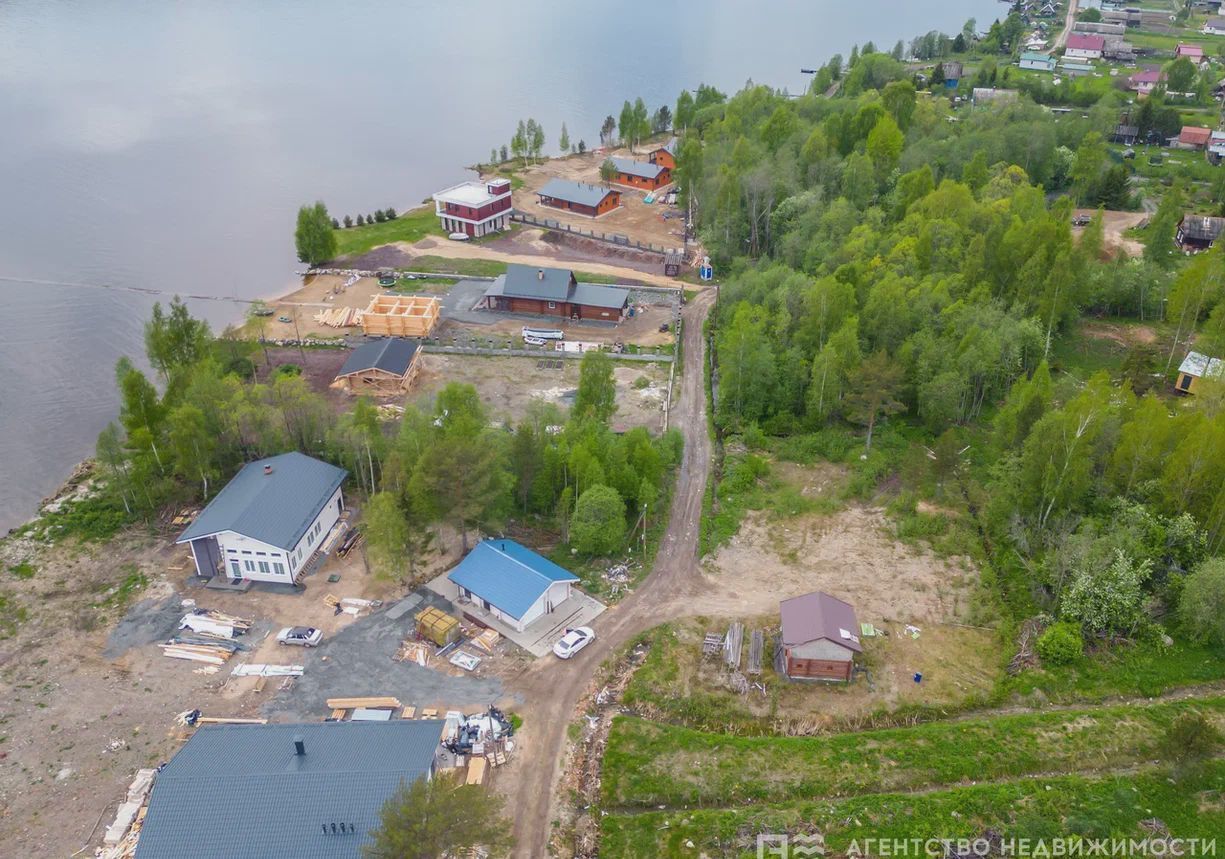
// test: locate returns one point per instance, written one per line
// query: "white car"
(573, 641)
(303, 636)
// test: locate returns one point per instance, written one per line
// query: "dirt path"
(464, 250)
(1068, 24)
(553, 690)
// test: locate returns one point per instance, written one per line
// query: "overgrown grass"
(12, 615)
(648, 764)
(1059, 807)
(93, 518)
(24, 571)
(1145, 668)
(409, 227)
(120, 596)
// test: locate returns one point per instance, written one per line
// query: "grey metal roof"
(1200, 365)
(274, 508)
(575, 192)
(393, 355)
(241, 791)
(529, 281)
(817, 615)
(1202, 227)
(631, 167)
(599, 295)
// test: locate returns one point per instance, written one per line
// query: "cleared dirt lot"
(640, 221)
(1114, 225)
(508, 385)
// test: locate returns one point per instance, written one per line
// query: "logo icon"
(784, 846)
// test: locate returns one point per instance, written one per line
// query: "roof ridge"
(504, 554)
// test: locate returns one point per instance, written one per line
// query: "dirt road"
(553, 689)
(1068, 23)
(465, 250)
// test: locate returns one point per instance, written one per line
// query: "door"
(235, 570)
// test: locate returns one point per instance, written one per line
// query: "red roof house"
(1192, 52)
(1085, 46)
(1144, 82)
(1194, 137)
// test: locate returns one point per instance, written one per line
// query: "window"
(262, 554)
(246, 551)
(250, 566)
(280, 569)
(263, 567)
(552, 305)
(1184, 384)
(232, 551)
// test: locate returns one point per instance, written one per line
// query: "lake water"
(166, 144)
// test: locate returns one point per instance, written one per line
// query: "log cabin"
(819, 639)
(591, 201)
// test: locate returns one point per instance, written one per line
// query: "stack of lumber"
(476, 770)
(258, 669)
(339, 317)
(732, 644)
(205, 621)
(376, 703)
(216, 654)
(121, 836)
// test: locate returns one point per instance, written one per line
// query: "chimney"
(267, 469)
(299, 745)
(539, 274)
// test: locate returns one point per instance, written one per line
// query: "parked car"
(573, 641)
(303, 636)
(1081, 221)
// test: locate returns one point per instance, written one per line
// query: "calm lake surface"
(167, 145)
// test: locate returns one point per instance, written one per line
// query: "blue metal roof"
(508, 575)
(242, 792)
(394, 355)
(574, 192)
(274, 508)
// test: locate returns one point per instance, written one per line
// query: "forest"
(899, 280)
(183, 433)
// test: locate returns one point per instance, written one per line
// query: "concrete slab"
(538, 639)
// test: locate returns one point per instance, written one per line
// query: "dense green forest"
(900, 277)
(181, 435)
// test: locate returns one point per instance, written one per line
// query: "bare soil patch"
(1124, 335)
(508, 385)
(1114, 225)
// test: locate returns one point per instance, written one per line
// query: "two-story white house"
(268, 521)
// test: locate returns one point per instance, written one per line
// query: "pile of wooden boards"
(339, 317)
(213, 654)
(215, 624)
(413, 651)
(250, 669)
(487, 640)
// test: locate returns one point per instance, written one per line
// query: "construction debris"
(374, 703)
(732, 645)
(122, 834)
(712, 644)
(413, 651)
(466, 661)
(355, 606)
(738, 682)
(437, 626)
(207, 622)
(258, 669)
(487, 640)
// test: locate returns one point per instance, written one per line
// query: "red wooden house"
(820, 637)
(664, 156)
(641, 174)
(555, 292)
(589, 200)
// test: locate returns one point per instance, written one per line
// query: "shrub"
(1061, 644)
(598, 524)
(1201, 605)
(289, 370)
(1189, 739)
(391, 214)
(642, 382)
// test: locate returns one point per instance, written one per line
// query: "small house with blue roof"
(269, 521)
(511, 582)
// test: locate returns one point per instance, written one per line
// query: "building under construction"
(401, 316)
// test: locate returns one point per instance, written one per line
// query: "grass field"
(1049, 807)
(409, 227)
(648, 764)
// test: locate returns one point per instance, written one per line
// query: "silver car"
(303, 636)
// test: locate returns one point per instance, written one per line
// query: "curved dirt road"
(552, 690)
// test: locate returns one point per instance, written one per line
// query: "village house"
(296, 790)
(269, 522)
(664, 156)
(1194, 53)
(1198, 232)
(1125, 134)
(1084, 46)
(1037, 62)
(819, 639)
(1214, 27)
(1144, 82)
(953, 71)
(1129, 17)
(511, 582)
(1192, 137)
(555, 292)
(1119, 50)
(1216, 147)
(647, 175)
(578, 197)
(383, 367)
(1197, 366)
(475, 208)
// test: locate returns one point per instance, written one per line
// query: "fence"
(541, 352)
(611, 238)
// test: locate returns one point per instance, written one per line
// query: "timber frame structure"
(401, 315)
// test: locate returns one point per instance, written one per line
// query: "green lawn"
(1058, 807)
(648, 764)
(409, 227)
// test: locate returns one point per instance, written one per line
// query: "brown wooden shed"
(383, 368)
(820, 638)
